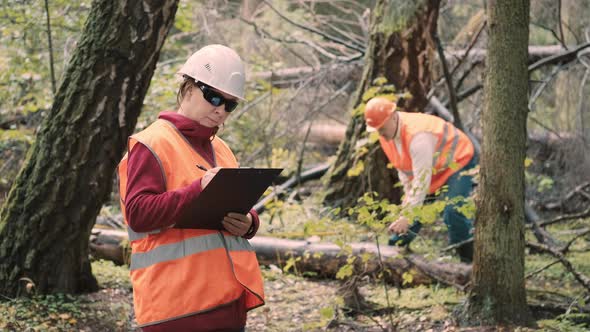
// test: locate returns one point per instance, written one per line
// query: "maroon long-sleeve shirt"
(148, 206)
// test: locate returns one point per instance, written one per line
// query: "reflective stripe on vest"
(176, 273)
(458, 151)
(187, 247)
(438, 153)
(136, 236)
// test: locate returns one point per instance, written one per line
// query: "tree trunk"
(400, 50)
(46, 220)
(498, 293)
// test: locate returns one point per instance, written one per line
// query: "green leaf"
(407, 278)
(345, 271)
(357, 169)
(327, 312)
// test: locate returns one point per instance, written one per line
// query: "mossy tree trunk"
(498, 294)
(400, 50)
(46, 220)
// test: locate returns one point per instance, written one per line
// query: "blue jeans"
(459, 226)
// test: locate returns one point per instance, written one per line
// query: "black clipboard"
(230, 190)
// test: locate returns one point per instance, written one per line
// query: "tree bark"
(400, 50)
(47, 218)
(498, 294)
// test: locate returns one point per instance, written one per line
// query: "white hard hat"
(217, 66)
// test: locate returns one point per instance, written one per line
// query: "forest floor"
(293, 303)
(297, 302)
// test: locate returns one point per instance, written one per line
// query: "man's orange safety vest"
(182, 272)
(453, 148)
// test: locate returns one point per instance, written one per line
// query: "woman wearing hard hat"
(189, 279)
(428, 153)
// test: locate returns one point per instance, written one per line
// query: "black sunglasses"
(216, 99)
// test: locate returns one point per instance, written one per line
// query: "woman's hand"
(236, 223)
(209, 176)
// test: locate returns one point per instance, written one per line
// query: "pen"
(202, 167)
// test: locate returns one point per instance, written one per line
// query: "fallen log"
(323, 260)
(326, 259)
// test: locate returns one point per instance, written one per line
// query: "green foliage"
(57, 312)
(562, 325)
(347, 269)
(24, 51)
(111, 276)
(291, 263)
(540, 182)
(407, 278)
(107, 310)
(357, 169)
(397, 15)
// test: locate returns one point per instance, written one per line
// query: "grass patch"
(106, 310)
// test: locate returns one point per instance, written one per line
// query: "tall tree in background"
(568, 83)
(498, 293)
(46, 220)
(400, 50)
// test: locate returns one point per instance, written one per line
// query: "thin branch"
(50, 47)
(567, 246)
(582, 85)
(322, 21)
(562, 39)
(312, 30)
(580, 189)
(251, 104)
(382, 266)
(316, 110)
(544, 126)
(543, 85)
(542, 269)
(457, 245)
(548, 29)
(582, 279)
(449, 80)
(468, 92)
(532, 220)
(563, 57)
(471, 45)
(466, 73)
(582, 214)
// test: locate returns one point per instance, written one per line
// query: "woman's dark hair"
(185, 87)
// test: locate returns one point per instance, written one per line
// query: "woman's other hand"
(236, 223)
(209, 176)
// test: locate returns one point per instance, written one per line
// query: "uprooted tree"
(49, 213)
(401, 51)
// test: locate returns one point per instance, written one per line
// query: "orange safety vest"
(182, 272)
(453, 151)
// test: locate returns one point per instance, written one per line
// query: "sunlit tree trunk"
(400, 50)
(46, 220)
(498, 293)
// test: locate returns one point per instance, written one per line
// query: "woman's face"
(195, 107)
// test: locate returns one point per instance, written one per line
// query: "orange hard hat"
(377, 112)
